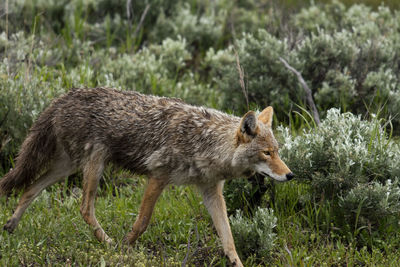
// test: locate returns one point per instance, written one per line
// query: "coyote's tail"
(36, 151)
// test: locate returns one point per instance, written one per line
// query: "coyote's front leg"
(153, 191)
(215, 203)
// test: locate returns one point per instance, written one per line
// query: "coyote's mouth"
(281, 178)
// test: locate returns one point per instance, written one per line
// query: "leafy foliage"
(348, 57)
(350, 162)
(254, 235)
(372, 204)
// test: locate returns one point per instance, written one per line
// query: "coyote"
(167, 140)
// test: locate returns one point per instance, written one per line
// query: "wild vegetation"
(344, 206)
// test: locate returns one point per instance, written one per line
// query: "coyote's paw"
(102, 236)
(126, 241)
(109, 241)
(235, 262)
(130, 238)
(10, 225)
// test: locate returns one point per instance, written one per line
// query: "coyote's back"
(142, 133)
(163, 138)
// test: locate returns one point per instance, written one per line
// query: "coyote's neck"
(222, 154)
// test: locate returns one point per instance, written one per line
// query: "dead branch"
(307, 90)
(142, 19)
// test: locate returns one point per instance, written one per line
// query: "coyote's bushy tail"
(35, 153)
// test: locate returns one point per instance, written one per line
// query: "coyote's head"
(257, 149)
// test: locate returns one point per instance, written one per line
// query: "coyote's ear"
(248, 124)
(266, 116)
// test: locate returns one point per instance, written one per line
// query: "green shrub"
(313, 18)
(22, 97)
(266, 79)
(372, 204)
(201, 31)
(149, 69)
(254, 235)
(104, 22)
(156, 69)
(346, 55)
(349, 162)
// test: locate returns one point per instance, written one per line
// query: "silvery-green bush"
(348, 57)
(350, 162)
(266, 78)
(159, 69)
(254, 235)
(148, 68)
(372, 204)
(201, 31)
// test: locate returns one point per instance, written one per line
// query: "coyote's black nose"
(290, 176)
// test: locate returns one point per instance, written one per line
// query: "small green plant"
(254, 235)
(371, 204)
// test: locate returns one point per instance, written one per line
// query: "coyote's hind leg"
(153, 191)
(92, 172)
(59, 169)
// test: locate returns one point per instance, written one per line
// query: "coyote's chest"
(182, 168)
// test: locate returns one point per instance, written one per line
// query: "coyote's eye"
(267, 153)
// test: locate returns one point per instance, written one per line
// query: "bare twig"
(142, 19)
(307, 90)
(187, 253)
(241, 79)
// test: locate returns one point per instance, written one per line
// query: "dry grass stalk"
(241, 79)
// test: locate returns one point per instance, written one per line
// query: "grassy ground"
(53, 233)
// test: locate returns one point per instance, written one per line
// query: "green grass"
(52, 232)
